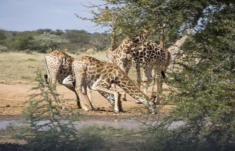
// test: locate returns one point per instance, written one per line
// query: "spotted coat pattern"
(148, 55)
(99, 76)
(59, 68)
(145, 53)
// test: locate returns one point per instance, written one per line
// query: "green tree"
(205, 95)
(24, 42)
(47, 41)
(2, 35)
(78, 38)
(99, 41)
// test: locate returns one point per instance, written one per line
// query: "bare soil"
(12, 98)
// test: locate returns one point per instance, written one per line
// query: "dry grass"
(20, 67)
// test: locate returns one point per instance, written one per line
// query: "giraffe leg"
(89, 94)
(138, 74)
(123, 96)
(159, 82)
(127, 69)
(81, 89)
(128, 66)
(125, 66)
(123, 93)
(148, 76)
(100, 86)
(77, 97)
(51, 78)
(154, 80)
(52, 70)
(138, 79)
(159, 86)
(70, 84)
(117, 101)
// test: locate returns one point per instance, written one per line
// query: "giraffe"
(99, 76)
(119, 56)
(143, 56)
(59, 68)
(160, 66)
(148, 55)
(175, 48)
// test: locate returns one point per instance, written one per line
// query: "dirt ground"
(12, 98)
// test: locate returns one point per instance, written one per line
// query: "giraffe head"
(150, 103)
(142, 36)
(189, 31)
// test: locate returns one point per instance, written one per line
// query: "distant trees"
(46, 41)
(2, 35)
(43, 39)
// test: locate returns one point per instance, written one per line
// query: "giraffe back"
(149, 53)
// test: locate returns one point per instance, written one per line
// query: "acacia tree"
(205, 95)
(131, 16)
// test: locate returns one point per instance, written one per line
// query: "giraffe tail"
(163, 74)
(47, 75)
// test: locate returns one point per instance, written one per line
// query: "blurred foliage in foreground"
(50, 128)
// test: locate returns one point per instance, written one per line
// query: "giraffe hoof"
(62, 107)
(124, 99)
(116, 110)
(87, 110)
(94, 109)
(138, 102)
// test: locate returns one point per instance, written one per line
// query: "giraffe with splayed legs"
(100, 75)
(59, 68)
(147, 55)
(119, 56)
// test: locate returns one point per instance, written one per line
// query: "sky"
(27, 15)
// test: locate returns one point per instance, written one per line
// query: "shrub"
(48, 131)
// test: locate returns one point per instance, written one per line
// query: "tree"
(24, 42)
(47, 41)
(79, 38)
(99, 41)
(2, 35)
(205, 95)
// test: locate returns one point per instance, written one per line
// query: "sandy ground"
(12, 98)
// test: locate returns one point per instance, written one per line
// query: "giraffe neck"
(132, 89)
(126, 43)
(175, 48)
(113, 44)
(179, 43)
(113, 40)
